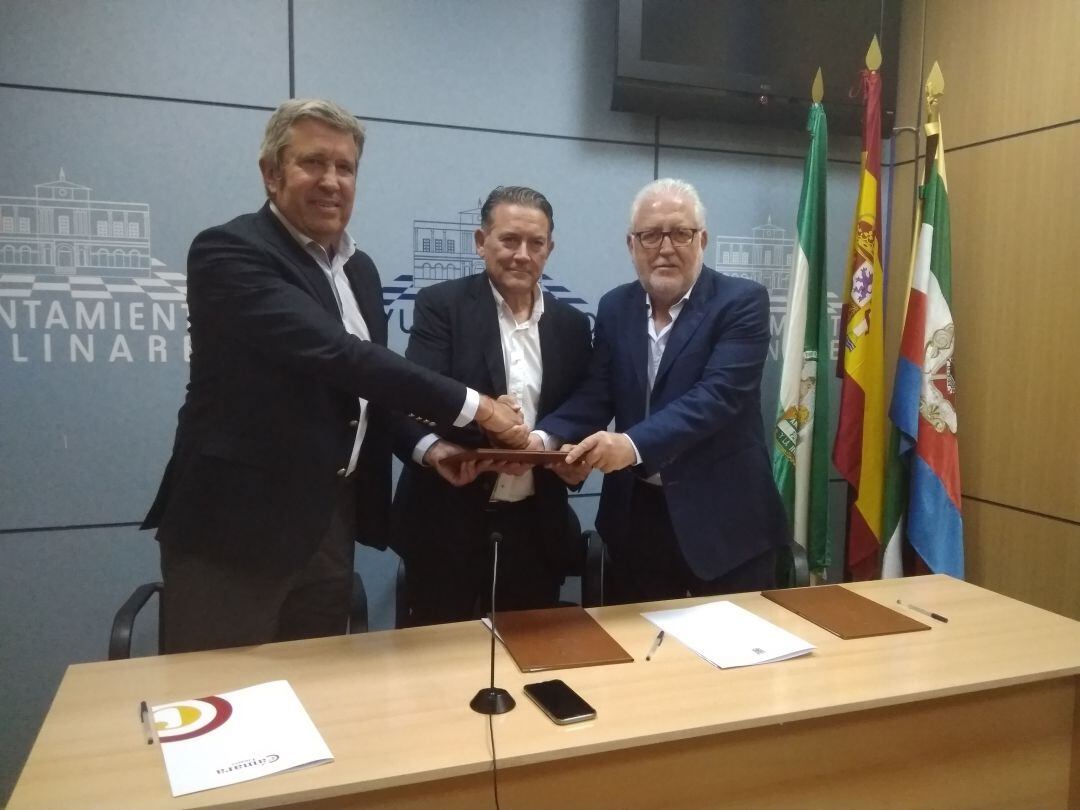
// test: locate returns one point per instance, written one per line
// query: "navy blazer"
(269, 417)
(455, 332)
(702, 430)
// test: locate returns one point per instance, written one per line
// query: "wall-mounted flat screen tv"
(753, 61)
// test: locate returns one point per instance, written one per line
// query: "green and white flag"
(800, 459)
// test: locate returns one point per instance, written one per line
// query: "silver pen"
(655, 645)
(923, 611)
(144, 716)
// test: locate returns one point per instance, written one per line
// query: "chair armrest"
(124, 620)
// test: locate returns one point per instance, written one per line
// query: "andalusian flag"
(800, 451)
(924, 394)
(859, 451)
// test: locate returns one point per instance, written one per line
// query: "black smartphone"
(559, 702)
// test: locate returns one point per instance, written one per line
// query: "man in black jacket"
(499, 333)
(282, 453)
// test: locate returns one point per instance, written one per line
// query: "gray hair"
(276, 137)
(677, 188)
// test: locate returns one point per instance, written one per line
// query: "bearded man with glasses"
(688, 506)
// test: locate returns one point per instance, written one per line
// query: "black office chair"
(792, 570)
(124, 621)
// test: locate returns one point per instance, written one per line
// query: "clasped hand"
(505, 426)
(604, 451)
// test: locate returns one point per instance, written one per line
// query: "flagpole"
(860, 444)
(896, 548)
(935, 89)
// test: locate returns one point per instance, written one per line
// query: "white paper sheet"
(236, 736)
(727, 635)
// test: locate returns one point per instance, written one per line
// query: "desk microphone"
(492, 700)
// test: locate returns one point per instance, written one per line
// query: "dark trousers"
(451, 582)
(650, 566)
(210, 603)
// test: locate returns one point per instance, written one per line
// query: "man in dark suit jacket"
(688, 503)
(499, 333)
(282, 453)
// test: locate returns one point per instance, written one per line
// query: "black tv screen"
(753, 61)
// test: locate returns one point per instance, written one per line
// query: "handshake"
(502, 421)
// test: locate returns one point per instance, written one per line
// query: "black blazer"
(269, 417)
(455, 332)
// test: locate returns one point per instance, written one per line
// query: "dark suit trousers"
(649, 565)
(210, 603)
(447, 582)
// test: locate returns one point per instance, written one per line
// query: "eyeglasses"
(680, 237)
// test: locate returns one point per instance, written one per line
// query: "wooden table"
(979, 712)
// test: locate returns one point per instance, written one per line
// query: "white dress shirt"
(333, 267)
(524, 369)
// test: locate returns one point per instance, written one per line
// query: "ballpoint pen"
(144, 716)
(923, 611)
(655, 645)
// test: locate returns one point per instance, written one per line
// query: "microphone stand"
(491, 699)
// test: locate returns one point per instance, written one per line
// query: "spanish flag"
(859, 449)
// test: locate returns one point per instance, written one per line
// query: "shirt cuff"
(423, 446)
(468, 410)
(637, 455)
(550, 442)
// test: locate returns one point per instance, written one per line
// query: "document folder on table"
(557, 638)
(843, 612)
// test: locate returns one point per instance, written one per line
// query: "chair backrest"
(592, 572)
(123, 623)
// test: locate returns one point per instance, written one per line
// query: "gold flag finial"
(873, 54)
(935, 89)
(817, 89)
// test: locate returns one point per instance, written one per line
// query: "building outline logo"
(73, 264)
(766, 255)
(444, 250)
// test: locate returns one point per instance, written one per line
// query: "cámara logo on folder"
(188, 719)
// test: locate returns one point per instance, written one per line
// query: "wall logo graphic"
(766, 256)
(445, 250)
(78, 283)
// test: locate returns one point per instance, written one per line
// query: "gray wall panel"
(91, 435)
(414, 174)
(534, 67)
(721, 135)
(235, 51)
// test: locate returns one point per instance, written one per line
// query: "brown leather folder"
(557, 638)
(843, 612)
(504, 454)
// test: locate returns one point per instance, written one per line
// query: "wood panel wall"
(1011, 123)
